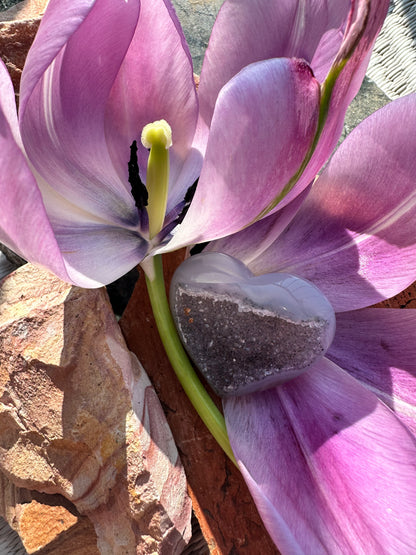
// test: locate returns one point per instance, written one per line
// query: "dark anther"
(199, 247)
(189, 195)
(186, 204)
(138, 188)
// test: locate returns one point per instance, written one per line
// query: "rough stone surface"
(405, 299)
(47, 523)
(79, 418)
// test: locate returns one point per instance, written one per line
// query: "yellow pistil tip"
(158, 133)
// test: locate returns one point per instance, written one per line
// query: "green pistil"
(158, 137)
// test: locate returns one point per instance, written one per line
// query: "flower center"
(158, 137)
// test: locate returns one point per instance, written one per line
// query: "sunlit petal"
(63, 114)
(259, 136)
(25, 226)
(355, 235)
(330, 467)
(155, 82)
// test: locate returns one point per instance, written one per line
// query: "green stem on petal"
(202, 402)
(326, 94)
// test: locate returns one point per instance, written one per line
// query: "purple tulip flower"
(330, 467)
(98, 72)
(330, 457)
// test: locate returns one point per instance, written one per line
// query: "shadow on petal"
(377, 347)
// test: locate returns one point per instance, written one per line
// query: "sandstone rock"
(78, 417)
(47, 523)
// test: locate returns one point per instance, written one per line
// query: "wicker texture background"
(393, 62)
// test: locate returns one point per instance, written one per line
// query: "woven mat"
(393, 62)
(10, 543)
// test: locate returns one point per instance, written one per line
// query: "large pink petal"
(24, 225)
(331, 36)
(155, 82)
(95, 252)
(246, 32)
(364, 23)
(63, 114)
(258, 138)
(378, 347)
(355, 235)
(96, 255)
(332, 470)
(61, 19)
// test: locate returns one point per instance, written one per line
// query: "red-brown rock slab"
(405, 299)
(79, 418)
(228, 517)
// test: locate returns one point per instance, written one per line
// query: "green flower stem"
(202, 402)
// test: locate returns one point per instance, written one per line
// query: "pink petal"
(95, 252)
(24, 225)
(63, 17)
(258, 138)
(378, 347)
(364, 23)
(330, 467)
(251, 242)
(355, 235)
(96, 255)
(247, 31)
(155, 82)
(65, 89)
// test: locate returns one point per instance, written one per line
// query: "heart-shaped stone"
(247, 333)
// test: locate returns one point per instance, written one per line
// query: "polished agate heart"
(247, 333)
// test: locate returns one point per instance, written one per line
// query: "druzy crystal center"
(247, 333)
